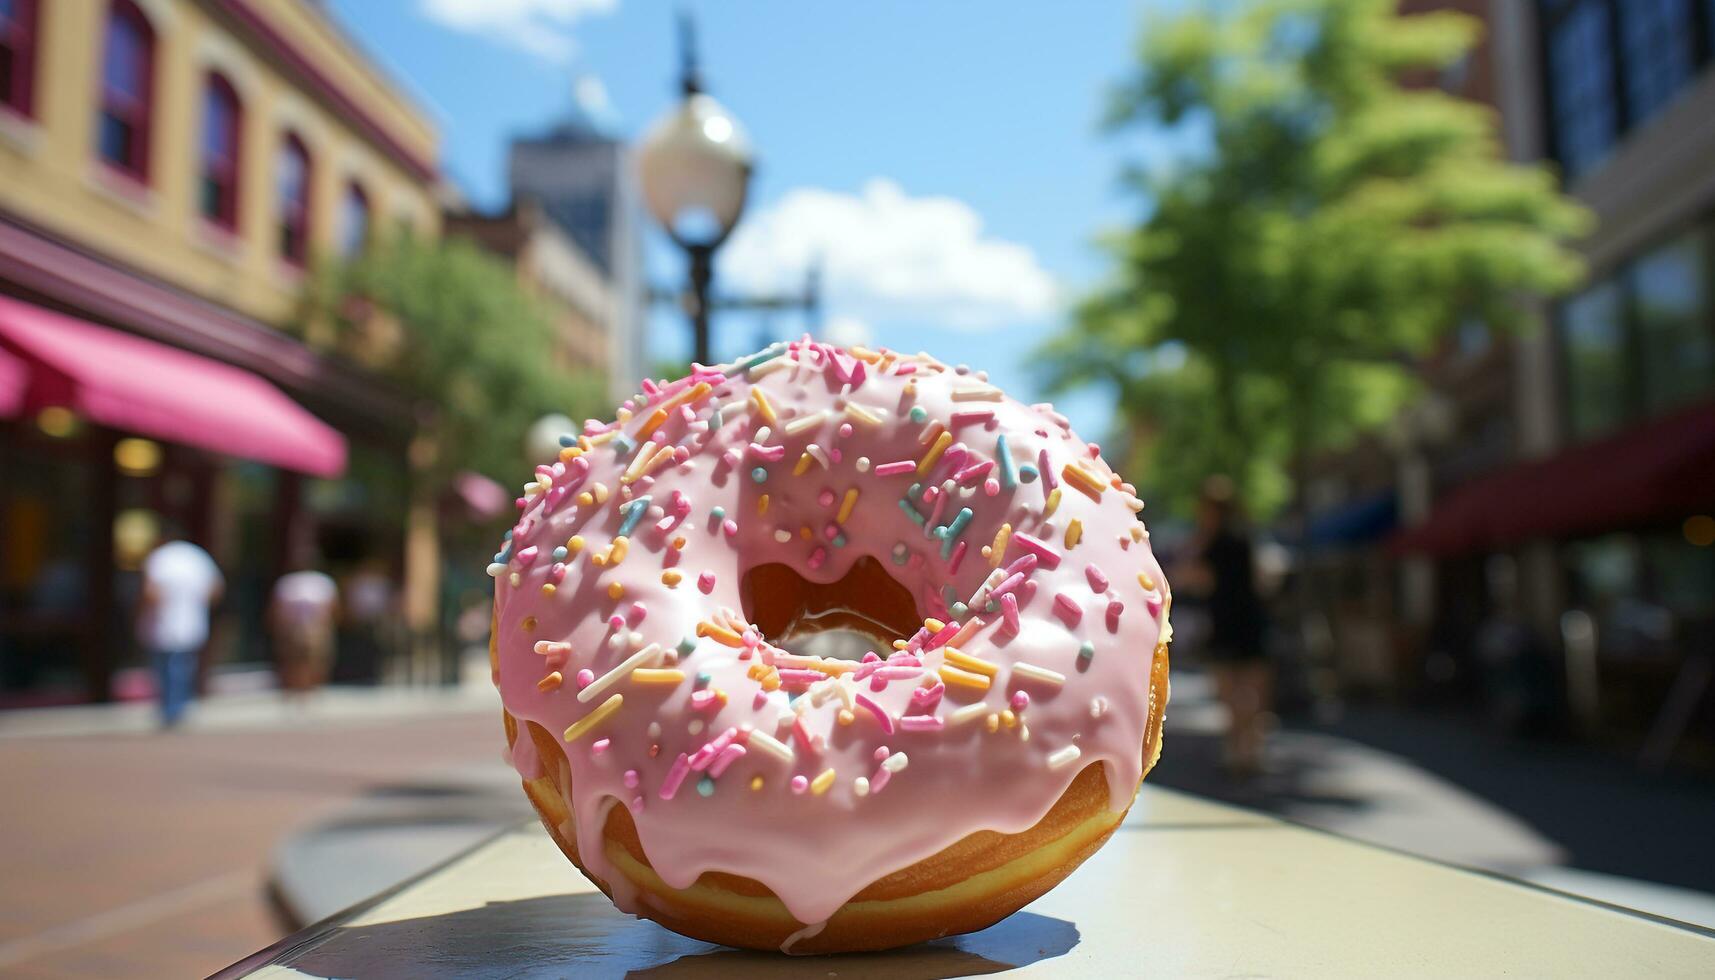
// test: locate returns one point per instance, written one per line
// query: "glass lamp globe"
(694, 165)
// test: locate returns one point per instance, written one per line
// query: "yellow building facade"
(292, 72)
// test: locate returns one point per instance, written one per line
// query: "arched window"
(293, 185)
(17, 55)
(353, 221)
(127, 90)
(222, 125)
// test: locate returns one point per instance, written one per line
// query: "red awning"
(136, 385)
(1660, 470)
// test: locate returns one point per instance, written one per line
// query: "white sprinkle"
(495, 569)
(860, 786)
(766, 368)
(975, 393)
(896, 761)
(1098, 707)
(1064, 757)
(1035, 673)
(804, 422)
(614, 676)
(654, 729)
(695, 727)
(762, 434)
(969, 713)
(863, 464)
(768, 743)
(782, 535)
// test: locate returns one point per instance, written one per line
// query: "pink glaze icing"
(915, 768)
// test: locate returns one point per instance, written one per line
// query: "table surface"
(1185, 888)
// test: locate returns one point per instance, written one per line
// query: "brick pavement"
(145, 855)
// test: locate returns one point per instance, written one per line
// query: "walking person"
(301, 618)
(1225, 575)
(181, 583)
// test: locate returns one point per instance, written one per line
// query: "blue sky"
(943, 157)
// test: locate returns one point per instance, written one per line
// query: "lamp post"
(695, 165)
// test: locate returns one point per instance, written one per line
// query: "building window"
(222, 125)
(1581, 85)
(17, 54)
(127, 82)
(1670, 297)
(1658, 36)
(293, 184)
(1594, 335)
(353, 221)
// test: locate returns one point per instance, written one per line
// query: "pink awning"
(136, 385)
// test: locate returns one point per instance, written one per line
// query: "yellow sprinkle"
(547, 588)
(953, 676)
(657, 675)
(862, 416)
(600, 493)
(992, 722)
(656, 419)
(575, 544)
(1053, 503)
(597, 440)
(846, 506)
(594, 718)
(929, 435)
(965, 661)
(845, 717)
(615, 590)
(584, 499)
(935, 625)
(550, 682)
(720, 634)
(670, 578)
(763, 406)
(1074, 532)
(755, 783)
(820, 784)
(997, 550)
(1144, 580)
(762, 504)
(942, 441)
(863, 353)
(804, 461)
(570, 453)
(1008, 719)
(900, 644)
(678, 543)
(621, 545)
(528, 623)
(1084, 480)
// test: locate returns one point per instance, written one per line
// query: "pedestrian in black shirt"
(1238, 624)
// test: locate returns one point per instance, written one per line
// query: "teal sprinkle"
(1008, 474)
(1027, 473)
(705, 787)
(918, 414)
(914, 491)
(910, 511)
(703, 678)
(953, 531)
(718, 513)
(948, 596)
(560, 553)
(758, 475)
(567, 440)
(991, 606)
(715, 421)
(762, 356)
(839, 541)
(500, 556)
(1087, 650)
(958, 609)
(622, 445)
(507, 536)
(633, 512)
(686, 646)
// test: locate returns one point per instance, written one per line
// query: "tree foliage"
(472, 348)
(1329, 224)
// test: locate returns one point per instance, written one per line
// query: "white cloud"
(886, 254)
(848, 331)
(590, 93)
(540, 27)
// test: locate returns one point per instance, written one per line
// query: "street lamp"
(695, 165)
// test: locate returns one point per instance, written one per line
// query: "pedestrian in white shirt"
(302, 616)
(180, 585)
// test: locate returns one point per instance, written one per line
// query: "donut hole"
(865, 610)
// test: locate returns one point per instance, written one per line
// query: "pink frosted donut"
(706, 765)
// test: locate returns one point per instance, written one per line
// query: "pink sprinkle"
(1022, 564)
(881, 715)
(1068, 609)
(731, 457)
(1008, 584)
(706, 582)
(845, 430)
(1152, 602)
(520, 502)
(600, 745)
(1049, 480)
(638, 611)
(1098, 581)
(958, 556)
(1049, 557)
(926, 698)
(877, 781)
(704, 700)
(973, 472)
(826, 497)
(616, 621)
(790, 677)
(881, 753)
(965, 418)
(758, 699)
(675, 775)
(800, 784)
(728, 756)
(557, 572)
(1009, 613)
(632, 778)
(830, 530)
(941, 636)
(527, 556)
(896, 672)
(904, 369)
(801, 732)
(772, 454)
(730, 526)
(894, 468)
(818, 556)
(920, 723)
(1114, 609)
(834, 454)
(1020, 700)
(991, 487)
(585, 678)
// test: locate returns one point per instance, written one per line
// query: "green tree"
(1329, 223)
